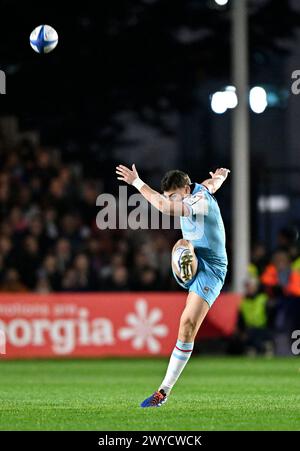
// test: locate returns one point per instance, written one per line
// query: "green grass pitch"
(212, 394)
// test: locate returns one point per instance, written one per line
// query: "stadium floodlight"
(231, 97)
(219, 102)
(221, 2)
(258, 99)
(274, 203)
(222, 100)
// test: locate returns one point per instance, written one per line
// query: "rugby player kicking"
(199, 259)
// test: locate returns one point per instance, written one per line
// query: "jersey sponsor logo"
(193, 198)
(197, 203)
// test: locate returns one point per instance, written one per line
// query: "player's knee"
(188, 328)
(182, 243)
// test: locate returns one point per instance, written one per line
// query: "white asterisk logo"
(143, 327)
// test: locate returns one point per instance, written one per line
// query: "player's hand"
(125, 174)
(221, 172)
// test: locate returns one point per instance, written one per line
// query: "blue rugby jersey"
(204, 227)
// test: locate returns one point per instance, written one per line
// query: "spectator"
(49, 272)
(70, 229)
(86, 279)
(17, 221)
(69, 281)
(94, 254)
(88, 206)
(63, 254)
(11, 282)
(43, 286)
(295, 257)
(44, 169)
(279, 277)
(56, 197)
(253, 319)
(28, 261)
(119, 280)
(147, 280)
(36, 230)
(259, 259)
(282, 283)
(50, 219)
(6, 251)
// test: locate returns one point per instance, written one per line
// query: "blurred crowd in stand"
(49, 240)
(270, 308)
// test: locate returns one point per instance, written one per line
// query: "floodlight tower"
(240, 145)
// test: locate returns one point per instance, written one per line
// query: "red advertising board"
(102, 324)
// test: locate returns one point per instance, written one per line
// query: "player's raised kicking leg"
(184, 265)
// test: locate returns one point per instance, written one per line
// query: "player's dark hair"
(174, 179)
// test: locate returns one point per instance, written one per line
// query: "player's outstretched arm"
(166, 206)
(217, 179)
